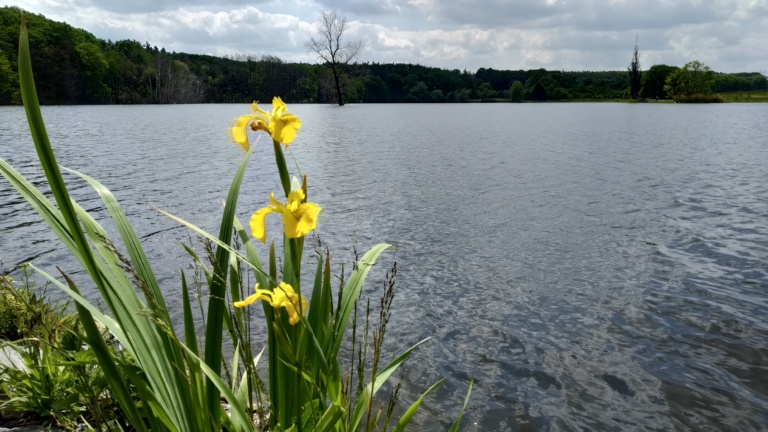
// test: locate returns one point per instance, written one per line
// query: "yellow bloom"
(281, 125)
(299, 218)
(283, 296)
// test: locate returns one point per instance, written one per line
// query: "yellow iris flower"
(299, 217)
(281, 125)
(281, 297)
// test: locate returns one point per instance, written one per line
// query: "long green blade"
(150, 288)
(132, 245)
(216, 306)
(456, 424)
(351, 292)
(372, 387)
(61, 195)
(190, 335)
(408, 416)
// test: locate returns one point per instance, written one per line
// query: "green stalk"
(61, 195)
(282, 168)
(216, 300)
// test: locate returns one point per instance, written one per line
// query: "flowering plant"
(161, 378)
(305, 377)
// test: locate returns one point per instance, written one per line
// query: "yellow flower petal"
(258, 227)
(255, 108)
(278, 106)
(277, 204)
(295, 197)
(285, 128)
(238, 132)
(299, 218)
(248, 301)
(279, 298)
(307, 218)
(290, 224)
(290, 301)
(260, 295)
(281, 125)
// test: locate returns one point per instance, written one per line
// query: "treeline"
(72, 66)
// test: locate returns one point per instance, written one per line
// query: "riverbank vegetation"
(162, 375)
(753, 96)
(48, 376)
(76, 67)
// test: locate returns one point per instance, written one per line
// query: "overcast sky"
(727, 35)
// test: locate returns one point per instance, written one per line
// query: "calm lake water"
(593, 266)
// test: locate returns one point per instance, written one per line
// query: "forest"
(72, 66)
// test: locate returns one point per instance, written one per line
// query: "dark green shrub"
(700, 98)
(25, 313)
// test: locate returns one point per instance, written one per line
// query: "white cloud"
(728, 35)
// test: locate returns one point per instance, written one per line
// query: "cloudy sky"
(727, 35)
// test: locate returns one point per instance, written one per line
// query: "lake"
(593, 266)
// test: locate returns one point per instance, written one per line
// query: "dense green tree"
(461, 95)
(437, 96)
(419, 93)
(376, 90)
(654, 80)
(538, 92)
(558, 93)
(739, 82)
(692, 79)
(516, 92)
(93, 66)
(486, 92)
(9, 82)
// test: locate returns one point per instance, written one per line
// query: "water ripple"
(593, 266)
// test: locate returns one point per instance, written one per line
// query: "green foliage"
(486, 93)
(43, 387)
(739, 82)
(700, 98)
(419, 93)
(94, 66)
(515, 92)
(139, 73)
(24, 313)
(538, 92)
(56, 379)
(9, 82)
(57, 385)
(654, 80)
(71, 71)
(165, 376)
(748, 96)
(695, 78)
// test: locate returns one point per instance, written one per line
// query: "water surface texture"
(594, 266)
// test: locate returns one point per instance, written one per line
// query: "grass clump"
(700, 98)
(25, 313)
(746, 96)
(49, 376)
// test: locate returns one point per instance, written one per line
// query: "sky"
(569, 35)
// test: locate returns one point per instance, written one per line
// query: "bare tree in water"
(330, 47)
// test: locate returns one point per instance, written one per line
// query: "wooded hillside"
(73, 66)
